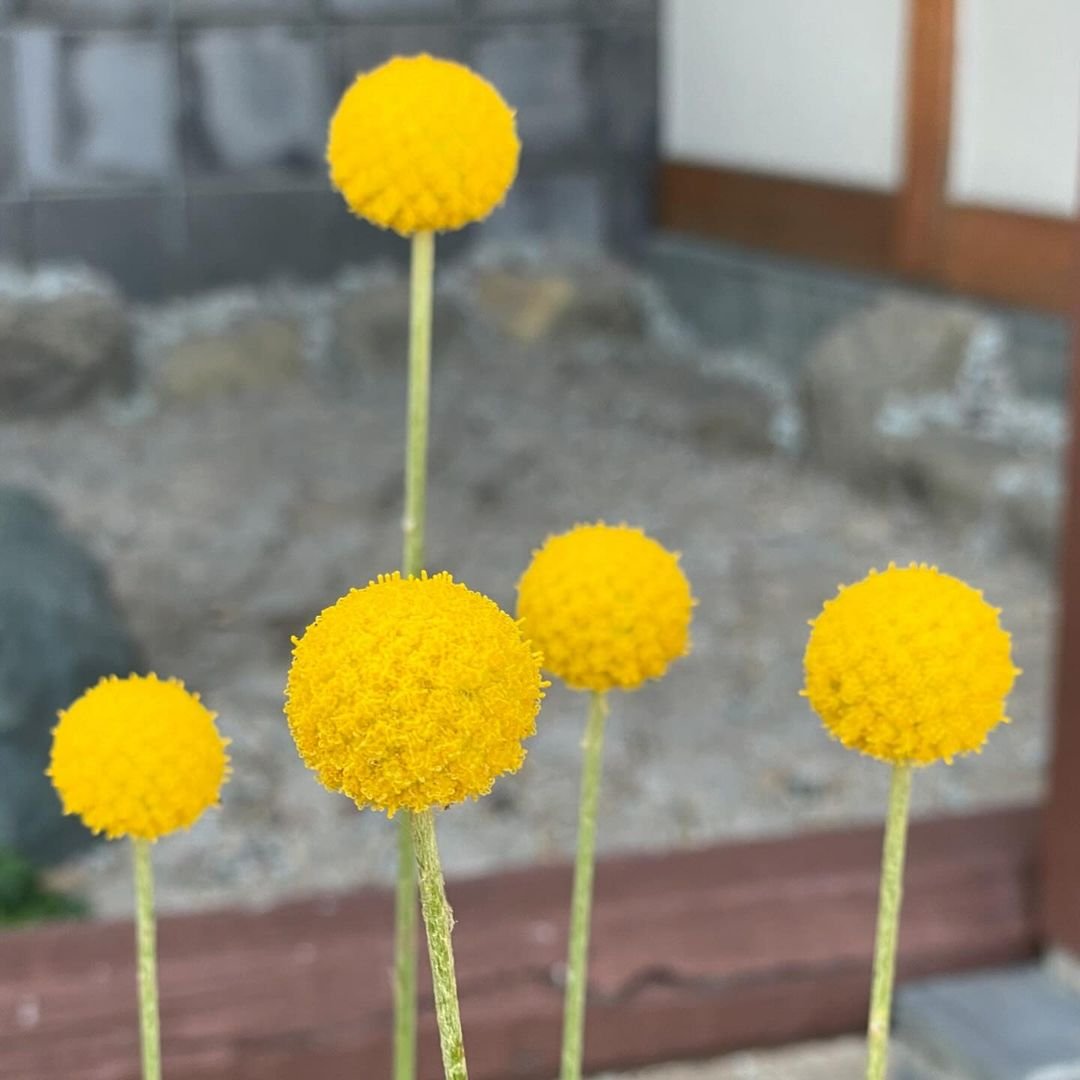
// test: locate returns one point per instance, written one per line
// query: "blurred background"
(784, 283)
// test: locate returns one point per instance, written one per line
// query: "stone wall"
(177, 144)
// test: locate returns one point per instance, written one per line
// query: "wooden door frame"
(914, 233)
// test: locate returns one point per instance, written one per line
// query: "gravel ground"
(227, 525)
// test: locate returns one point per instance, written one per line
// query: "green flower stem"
(439, 922)
(405, 942)
(420, 308)
(888, 925)
(573, 1047)
(146, 949)
(421, 281)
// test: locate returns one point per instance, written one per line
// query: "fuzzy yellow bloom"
(412, 693)
(138, 757)
(422, 144)
(607, 605)
(909, 666)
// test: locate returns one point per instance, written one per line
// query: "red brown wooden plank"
(694, 953)
(1061, 852)
(1014, 258)
(830, 222)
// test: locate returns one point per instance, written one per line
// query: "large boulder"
(64, 335)
(901, 351)
(260, 352)
(371, 329)
(576, 302)
(916, 396)
(60, 631)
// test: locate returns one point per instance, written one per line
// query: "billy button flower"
(609, 608)
(409, 695)
(909, 666)
(139, 757)
(422, 145)
(419, 145)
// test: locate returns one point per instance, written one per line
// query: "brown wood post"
(920, 211)
(1060, 885)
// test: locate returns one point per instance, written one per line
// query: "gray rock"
(257, 353)
(954, 472)
(594, 300)
(371, 329)
(1032, 495)
(61, 339)
(728, 404)
(899, 350)
(60, 632)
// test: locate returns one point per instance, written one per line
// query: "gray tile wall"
(180, 144)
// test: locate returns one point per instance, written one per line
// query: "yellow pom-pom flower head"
(138, 757)
(413, 693)
(608, 606)
(422, 144)
(910, 666)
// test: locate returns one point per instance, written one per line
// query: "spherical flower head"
(910, 666)
(422, 144)
(138, 757)
(413, 693)
(608, 606)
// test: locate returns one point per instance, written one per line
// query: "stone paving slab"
(838, 1059)
(1015, 1024)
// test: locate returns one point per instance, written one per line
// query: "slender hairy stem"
(439, 922)
(577, 975)
(146, 949)
(412, 562)
(420, 308)
(892, 887)
(405, 944)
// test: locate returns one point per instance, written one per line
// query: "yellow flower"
(138, 757)
(412, 693)
(607, 605)
(909, 666)
(422, 144)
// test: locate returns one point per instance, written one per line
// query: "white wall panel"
(806, 88)
(1016, 105)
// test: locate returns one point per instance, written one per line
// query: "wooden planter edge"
(694, 953)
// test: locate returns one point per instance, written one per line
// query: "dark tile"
(631, 203)
(255, 102)
(358, 243)
(398, 9)
(560, 207)
(8, 148)
(13, 229)
(77, 14)
(123, 236)
(628, 87)
(610, 11)
(360, 48)
(231, 12)
(94, 109)
(542, 72)
(259, 236)
(534, 9)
